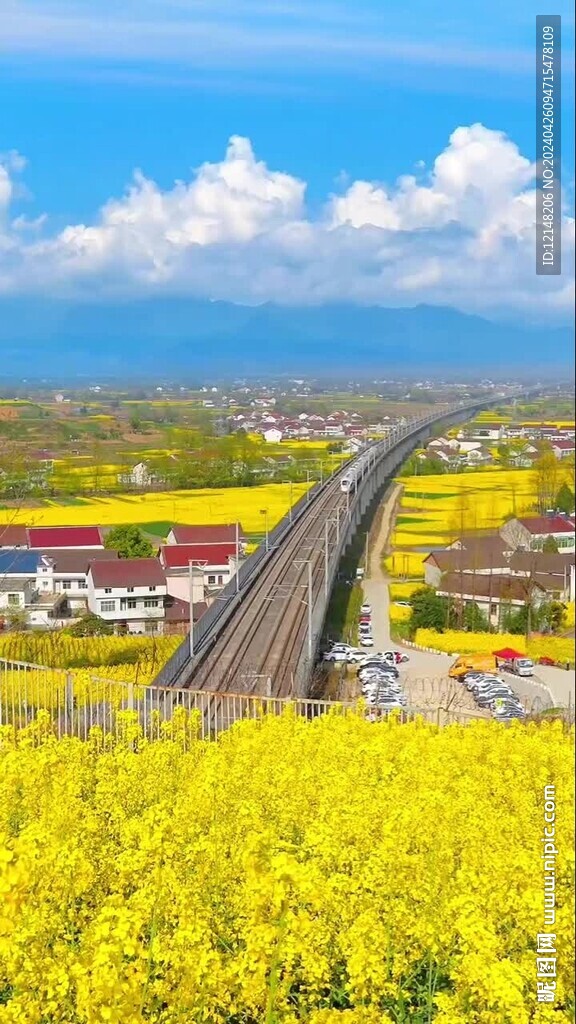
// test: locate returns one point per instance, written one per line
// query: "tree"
(565, 499)
(129, 542)
(546, 471)
(550, 546)
(90, 625)
(428, 610)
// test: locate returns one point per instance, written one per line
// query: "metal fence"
(86, 706)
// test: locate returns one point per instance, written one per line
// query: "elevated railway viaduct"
(261, 635)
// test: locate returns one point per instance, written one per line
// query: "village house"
(13, 536)
(50, 587)
(485, 432)
(563, 449)
(531, 533)
(495, 595)
(272, 435)
(130, 593)
(213, 565)
(210, 534)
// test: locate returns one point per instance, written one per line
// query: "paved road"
(558, 684)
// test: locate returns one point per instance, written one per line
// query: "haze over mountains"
(178, 335)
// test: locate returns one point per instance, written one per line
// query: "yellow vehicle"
(472, 663)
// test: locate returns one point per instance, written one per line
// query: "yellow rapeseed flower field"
(214, 505)
(403, 591)
(398, 613)
(131, 656)
(327, 871)
(453, 641)
(435, 509)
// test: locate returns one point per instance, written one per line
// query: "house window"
(107, 606)
(82, 585)
(128, 602)
(220, 579)
(14, 600)
(151, 602)
(130, 590)
(66, 584)
(107, 590)
(211, 581)
(151, 588)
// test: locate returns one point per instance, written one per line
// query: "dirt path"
(379, 541)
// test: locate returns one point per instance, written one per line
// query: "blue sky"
(330, 93)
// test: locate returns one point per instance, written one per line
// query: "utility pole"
(308, 563)
(237, 556)
(291, 500)
(191, 582)
(264, 512)
(326, 556)
(310, 651)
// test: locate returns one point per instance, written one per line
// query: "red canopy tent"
(508, 654)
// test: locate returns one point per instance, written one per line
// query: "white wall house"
(531, 533)
(130, 592)
(272, 436)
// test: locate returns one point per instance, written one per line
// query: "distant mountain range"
(174, 335)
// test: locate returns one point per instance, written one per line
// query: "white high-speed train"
(354, 473)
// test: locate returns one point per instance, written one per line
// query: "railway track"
(259, 648)
(254, 641)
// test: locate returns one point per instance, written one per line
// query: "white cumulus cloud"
(461, 234)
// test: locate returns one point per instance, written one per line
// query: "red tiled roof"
(77, 559)
(177, 556)
(212, 533)
(128, 572)
(546, 525)
(564, 445)
(13, 536)
(65, 537)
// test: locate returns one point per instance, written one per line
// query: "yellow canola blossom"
(403, 591)
(215, 505)
(57, 650)
(328, 871)
(399, 613)
(452, 641)
(405, 563)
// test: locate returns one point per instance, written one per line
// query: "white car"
(366, 640)
(366, 609)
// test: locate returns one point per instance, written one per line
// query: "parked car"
(366, 640)
(485, 700)
(378, 663)
(502, 704)
(509, 714)
(342, 653)
(366, 609)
